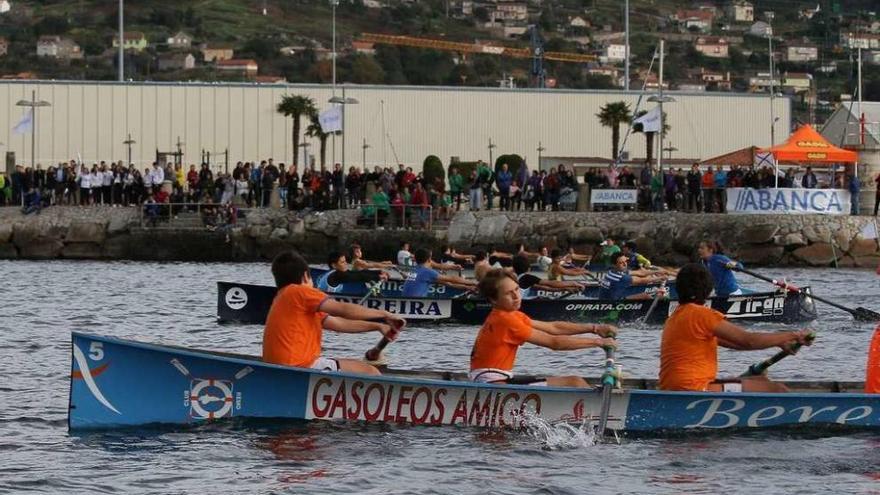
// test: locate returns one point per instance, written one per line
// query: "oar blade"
(865, 314)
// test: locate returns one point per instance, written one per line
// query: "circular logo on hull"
(236, 298)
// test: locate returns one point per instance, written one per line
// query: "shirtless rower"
(689, 345)
(339, 274)
(419, 280)
(529, 283)
(359, 263)
(481, 265)
(299, 313)
(506, 329)
(556, 270)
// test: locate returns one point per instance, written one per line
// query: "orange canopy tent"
(806, 145)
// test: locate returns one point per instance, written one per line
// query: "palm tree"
(612, 115)
(649, 136)
(315, 130)
(296, 106)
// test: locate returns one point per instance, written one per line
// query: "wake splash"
(560, 435)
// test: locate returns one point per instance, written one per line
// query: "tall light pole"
(121, 45)
(305, 146)
(540, 149)
(492, 147)
(343, 101)
(128, 142)
(364, 147)
(660, 99)
(33, 104)
(333, 4)
(769, 16)
(626, 48)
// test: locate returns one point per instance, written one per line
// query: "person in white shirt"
(97, 179)
(85, 186)
(158, 177)
(404, 257)
(106, 185)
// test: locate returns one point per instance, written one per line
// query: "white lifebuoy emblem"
(236, 298)
(210, 399)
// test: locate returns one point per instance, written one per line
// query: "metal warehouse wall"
(94, 118)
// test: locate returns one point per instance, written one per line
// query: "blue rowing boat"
(117, 383)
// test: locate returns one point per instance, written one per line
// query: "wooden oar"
(863, 314)
(609, 380)
(758, 369)
(656, 300)
(373, 354)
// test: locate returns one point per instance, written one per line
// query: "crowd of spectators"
(403, 196)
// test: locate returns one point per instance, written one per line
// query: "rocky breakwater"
(672, 238)
(106, 233)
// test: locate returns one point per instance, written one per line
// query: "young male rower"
(419, 280)
(481, 265)
(299, 313)
(449, 256)
(689, 345)
(339, 274)
(721, 267)
(506, 328)
(556, 270)
(529, 283)
(359, 263)
(618, 279)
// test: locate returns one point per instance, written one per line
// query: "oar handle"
(373, 354)
(758, 369)
(609, 378)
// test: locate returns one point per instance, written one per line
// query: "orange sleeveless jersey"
(499, 339)
(689, 349)
(872, 375)
(293, 328)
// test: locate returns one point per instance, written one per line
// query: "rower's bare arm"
(567, 342)
(375, 265)
(573, 272)
(344, 325)
(570, 328)
(734, 337)
(351, 311)
(452, 279)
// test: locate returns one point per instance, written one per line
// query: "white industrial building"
(398, 124)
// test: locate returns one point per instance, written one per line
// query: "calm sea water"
(41, 302)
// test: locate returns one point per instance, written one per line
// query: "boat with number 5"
(246, 303)
(117, 383)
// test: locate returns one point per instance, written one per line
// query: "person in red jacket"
(419, 199)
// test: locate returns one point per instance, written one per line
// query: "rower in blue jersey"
(720, 266)
(339, 274)
(419, 280)
(618, 279)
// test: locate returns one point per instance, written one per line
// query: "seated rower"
(404, 257)
(556, 270)
(608, 252)
(529, 283)
(449, 256)
(573, 258)
(689, 345)
(339, 274)
(637, 261)
(506, 328)
(299, 313)
(359, 263)
(618, 279)
(481, 265)
(419, 280)
(541, 256)
(720, 266)
(498, 258)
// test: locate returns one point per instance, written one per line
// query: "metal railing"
(402, 216)
(167, 214)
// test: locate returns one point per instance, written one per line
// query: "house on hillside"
(713, 80)
(761, 82)
(797, 82)
(58, 47)
(865, 41)
(614, 52)
(180, 40)
(800, 51)
(578, 22)
(363, 47)
(604, 70)
(246, 66)
(690, 85)
(694, 19)
(712, 46)
(217, 52)
(740, 11)
(510, 11)
(176, 61)
(132, 40)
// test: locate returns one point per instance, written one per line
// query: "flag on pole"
(331, 119)
(650, 121)
(869, 231)
(25, 124)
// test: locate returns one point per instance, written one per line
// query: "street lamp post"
(540, 149)
(128, 142)
(333, 4)
(305, 147)
(769, 16)
(364, 147)
(492, 147)
(343, 101)
(660, 99)
(33, 104)
(121, 46)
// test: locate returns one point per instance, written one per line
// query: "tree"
(649, 136)
(315, 130)
(365, 70)
(513, 161)
(432, 168)
(295, 106)
(612, 115)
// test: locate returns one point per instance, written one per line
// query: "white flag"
(869, 231)
(331, 119)
(650, 121)
(25, 124)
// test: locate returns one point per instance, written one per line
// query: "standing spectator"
(399, 176)
(106, 184)
(645, 185)
(157, 177)
(486, 181)
(720, 186)
(3, 189)
(338, 183)
(504, 179)
(206, 183)
(551, 189)
(192, 181)
(270, 174)
(735, 177)
(256, 184)
(657, 190)
(17, 180)
(670, 187)
(693, 188)
(456, 186)
(475, 198)
(282, 185)
(708, 183)
(788, 179)
(292, 185)
(808, 181)
(419, 200)
(353, 186)
(855, 187)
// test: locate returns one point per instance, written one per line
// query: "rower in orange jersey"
(506, 329)
(689, 345)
